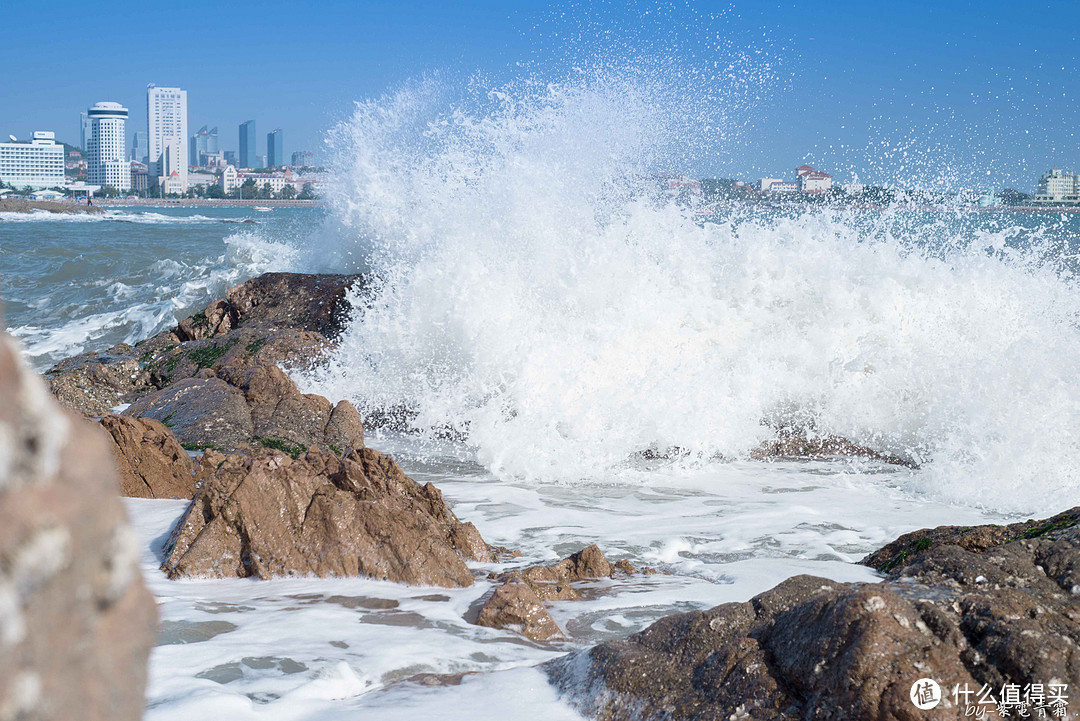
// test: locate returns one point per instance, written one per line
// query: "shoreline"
(23, 205)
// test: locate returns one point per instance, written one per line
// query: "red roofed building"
(812, 181)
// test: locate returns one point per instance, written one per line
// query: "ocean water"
(541, 316)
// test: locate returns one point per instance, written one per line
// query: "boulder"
(95, 383)
(76, 622)
(1004, 613)
(150, 461)
(251, 406)
(268, 515)
(285, 319)
(517, 603)
(515, 606)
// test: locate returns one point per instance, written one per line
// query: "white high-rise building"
(166, 122)
(106, 146)
(38, 163)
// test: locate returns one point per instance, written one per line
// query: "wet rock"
(277, 319)
(268, 515)
(76, 621)
(1000, 611)
(150, 461)
(801, 446)
(516, 607)
(201, 413)
(94, 383)
(518, 602)
(251, 406)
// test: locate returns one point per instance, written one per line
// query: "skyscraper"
(140, 150)
(275, 149)
(84, 129)
(203, 143)
(106, 163)
(166, 124)
(247, 144)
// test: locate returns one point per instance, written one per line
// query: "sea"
(574, 356)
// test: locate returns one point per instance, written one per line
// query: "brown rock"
(802, 446)
(76, 621)
(514, 606)
(812, 648)
(267, 515)
(150, 461)
(553, 583)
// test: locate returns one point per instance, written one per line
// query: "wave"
(114, 216)
(536, 295)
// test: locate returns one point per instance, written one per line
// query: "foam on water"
(538, 296)
(108, 215)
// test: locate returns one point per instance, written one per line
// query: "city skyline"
(963, 96)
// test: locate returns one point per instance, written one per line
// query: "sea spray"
(533, 292)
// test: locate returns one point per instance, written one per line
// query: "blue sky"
(965, 92)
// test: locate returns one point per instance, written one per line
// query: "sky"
(949, 92)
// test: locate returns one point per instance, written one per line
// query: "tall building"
(38, 163)
(247, 144)
(166, 124)
(140, 150)
(84, 129)
(203, 143)
(275, 149)
(302, 158)
(230, 157)
(106, 146)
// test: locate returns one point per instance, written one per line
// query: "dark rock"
(267, 515)
(801, 446)
(201, 412)
(813, 648)
(76, 622)
(150, 461)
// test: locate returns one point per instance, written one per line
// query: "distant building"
(1058, 186)
(230, 157)
(227, 179)
(203, 143)
(106, 146)
(811, 180)
(38, 163)
(275, 149)
(302, 159)
(765, 184)
(854, 187)
(166, 120)
(140, 179)
(247, 144)
(212, 160)
(140, 148)
(784, 186)
(84, 129)
(173, 166)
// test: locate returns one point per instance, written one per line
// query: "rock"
(150, 461)
(514, 606)
(201, 413)
(95, 383)
(267, 515)
(518, 602)
(76, 622)
(251, 406)
(276, 319)
(553, 583)
(801, 446)
(813, 648)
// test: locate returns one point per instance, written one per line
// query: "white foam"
(536, 299)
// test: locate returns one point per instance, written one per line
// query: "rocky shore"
(281, 483)
(22, 205)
